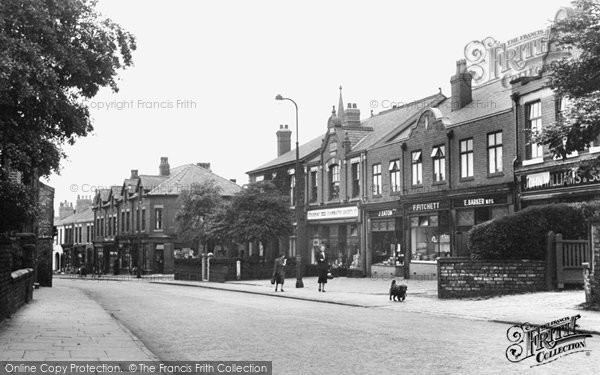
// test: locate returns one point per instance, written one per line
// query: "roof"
(487, 100)
(150, 182)
(85, 216)
(290, 156)
(389, 121)
(189, 174)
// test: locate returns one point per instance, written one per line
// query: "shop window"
(334, 182)
(466, 158)
(498, 212)
(438, 155)
(313, 186)
(482, 215)
(376, 179)
(417, 168)
(394, 169)
(533, 125)
(355, 180)
(495, 152)
(429, 237)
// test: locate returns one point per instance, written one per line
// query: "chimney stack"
(461, 86)
(83, 202)
(284, 140)
(164, 168)
(352, 115)
(204, 165)
(134, 173)
(65, 209)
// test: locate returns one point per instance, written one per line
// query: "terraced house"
(135, 222)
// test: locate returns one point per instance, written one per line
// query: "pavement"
(535, 308)
(62, 323)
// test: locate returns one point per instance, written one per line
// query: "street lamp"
(299, 203)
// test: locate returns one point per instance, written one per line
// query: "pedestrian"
(322, 267)
(279, 271)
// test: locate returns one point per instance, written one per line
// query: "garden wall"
(465, 278)
(16, 288)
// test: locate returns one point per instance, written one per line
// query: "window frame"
(395, 176)
(416, 167)
(334, 184)
(438, 163)
(529, 149)
(376, 179)
(497, 158)
(466, 157)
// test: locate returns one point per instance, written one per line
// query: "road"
(303, 337)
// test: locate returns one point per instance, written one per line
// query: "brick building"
(73, 245)
(135, 222)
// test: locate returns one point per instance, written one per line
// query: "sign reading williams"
(545, 343)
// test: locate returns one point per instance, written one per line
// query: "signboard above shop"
(480, 200)
(333, 213)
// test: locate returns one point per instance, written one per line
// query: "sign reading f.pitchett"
(333, 213)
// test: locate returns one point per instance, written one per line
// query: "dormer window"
(333, 148)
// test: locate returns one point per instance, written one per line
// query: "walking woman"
(279, 271)
(323, 268)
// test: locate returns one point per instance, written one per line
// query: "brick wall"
(16, 288)
(224, 269)
(464, 278)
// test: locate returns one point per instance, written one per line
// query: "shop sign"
(333, 213)
(431, 206)
(561, 179)
(480, 201)
(384, 213)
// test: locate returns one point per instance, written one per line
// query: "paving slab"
(63, 323)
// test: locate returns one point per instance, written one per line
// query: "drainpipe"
(452, 228)
(517, 189)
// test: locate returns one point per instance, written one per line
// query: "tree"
(577, 79)
(202, 217)
(260, 212)
(55, 55)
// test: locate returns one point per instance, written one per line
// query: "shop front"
(428, 235)
(563, 185)
(385, 253)
(338, 230)
(473, 209)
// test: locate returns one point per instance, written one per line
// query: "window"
(115, 224)
(122, 221)
(355, 180)
(313, 186)
(158, 218)
(376, 179)
(495, 152)
(533, 123)
(394, 169)
(102, 227)
(137, 219)
(293, 190)
(87, 233)
(438, 155)
(109, 225)
(417, 168)
(466, 158)
(128, 218)
(143, 219)
(334, 182)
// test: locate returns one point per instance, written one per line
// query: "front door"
(159, 258)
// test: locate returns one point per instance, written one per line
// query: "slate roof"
(85, 216)
(183, 177)
(389, 121)
(487, 100)
(290, 156)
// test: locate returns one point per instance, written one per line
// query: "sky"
(206, 73)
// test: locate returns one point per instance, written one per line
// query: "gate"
(570, 256)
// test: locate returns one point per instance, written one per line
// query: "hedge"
(523, 234)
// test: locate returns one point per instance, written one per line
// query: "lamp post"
(299, 204)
